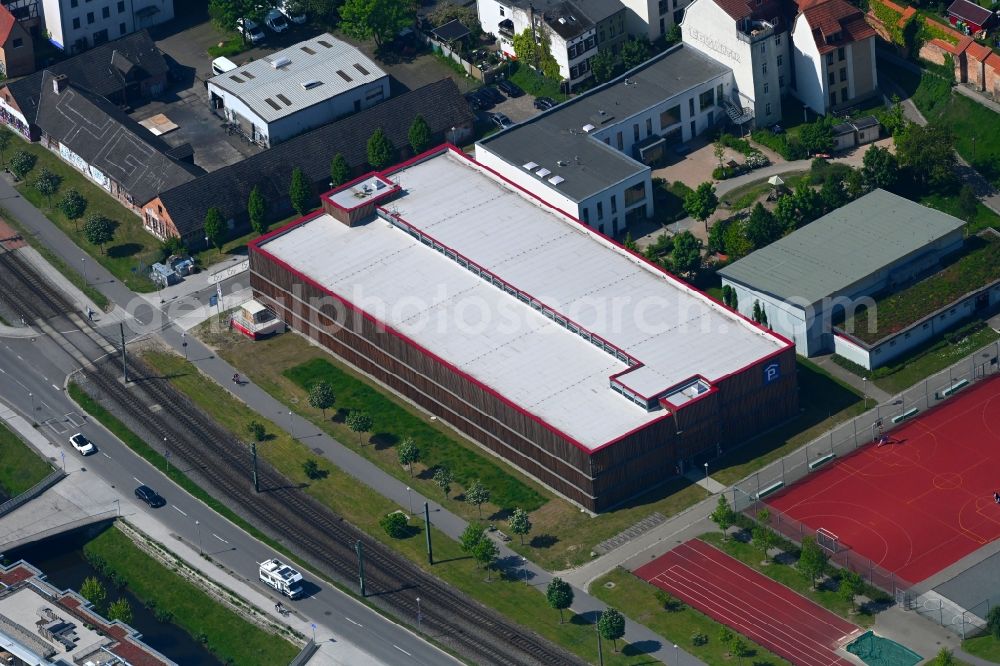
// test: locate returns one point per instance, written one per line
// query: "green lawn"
(936, 358)
(131, 248)
(975, 267)
(985, 647)
(824, 401)
(668, 200)
(224, 633)
(635, 598)
(534, 83)
(826, 595)
(20, 466)
(363, 507)
(985, 217)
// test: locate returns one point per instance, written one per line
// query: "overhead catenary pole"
(427, 531)
(253, 453)
(121, 329)
(360, 548)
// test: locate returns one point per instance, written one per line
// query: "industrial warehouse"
(572, 358)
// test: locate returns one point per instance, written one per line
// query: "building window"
(830, 78)
(586, 215)
(614, 204)
(671, 116)
(777, 40)
(767, 109)
(621, 143)
(602, 36)
(90, 17)
(106, 12)
(833, 99)
(694, 129)
(649, 126)
(840, 54)
(600, 212)
(691, 106)
(635, 194)
(843, 74)
(76, 24)
(121, 6)
(501, 12)
(74, 3)
(635, 131)
(611, 31)
(829, 58)
(781, 81)
(763, 47)
(780, 58)
(121, 28)
(600, 227)
(765, 87)
(718, 93)
(706, 99)
(843, 95)
(17, 42)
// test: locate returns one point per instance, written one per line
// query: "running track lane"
(732, 593)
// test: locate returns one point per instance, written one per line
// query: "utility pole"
(360, 548)
(253, 453)
(427, 530)
(600, 650)
(121, 329)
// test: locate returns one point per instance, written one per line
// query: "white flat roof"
(671, 332)
(307, 73)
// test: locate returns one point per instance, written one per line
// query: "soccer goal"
(827, 540)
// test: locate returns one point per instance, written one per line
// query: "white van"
(222, 65)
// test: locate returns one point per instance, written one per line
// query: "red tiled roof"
(836, 16)
(978, 51)
(993, 61)
(737, 9)
(7, 22)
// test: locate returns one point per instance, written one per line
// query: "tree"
(340, 171)
(443, 477)
(851, 585)
(299, 191)
(635, 52)
(72, 205)
(94, 591)
(719, 150)
(257, 430)
(611, 625)
(629, 242)
(537, 54)
(408, 454)
(928, 155)
(674, 34)
(380, 149)
(968, 203)
(817, 137)
(394, 524)
(215, 227)
(832, 194)
(46, 183)
(21, 163)
(559, 594)
(225, 13)
(120, 610)
(686, 256)
(485, 553)
(786, 213)
(879, 168)
(726, 635)
(723, 515)
(321, 396)
(311, 469)
(762, 534)
(812, 560)
(378, 20)
(993, 621)
(5, 138)
(603, 65)
(471, 535)
(419, 134)
(762, 228)
(739, 648)
(446, 12)
(716, 236)
(99, 230)
(735, 241)
(359, 422)
(520, 523)
(257, 210)
(944, 657)
(477, 494)
(808, 203)
(701, 203)
(854, 184)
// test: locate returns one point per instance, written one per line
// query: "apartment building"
(77, 25)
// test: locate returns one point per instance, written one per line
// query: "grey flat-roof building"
(589, 156)
(872, 245)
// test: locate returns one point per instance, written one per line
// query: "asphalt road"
(32, 373)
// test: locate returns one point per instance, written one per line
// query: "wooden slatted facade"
(742, 404)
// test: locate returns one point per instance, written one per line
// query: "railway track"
(473, 631)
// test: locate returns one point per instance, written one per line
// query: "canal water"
(61, 560)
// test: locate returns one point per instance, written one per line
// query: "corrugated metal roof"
(304, 74)
(826, 256)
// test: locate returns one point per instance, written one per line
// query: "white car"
(276, 21)
(83, 445)
(252, 30)
(288, 8)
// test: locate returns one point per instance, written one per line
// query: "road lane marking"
(402, 650)
(56, 387)
(105, 455)
(137, 481)
(351, 621)
(178, 510)
(219, 538)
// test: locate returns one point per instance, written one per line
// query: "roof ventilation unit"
(542, 173)
(311, 83)
(530, 166)
(555, 180)
(589, 128)
(280, 62)
(562, 163)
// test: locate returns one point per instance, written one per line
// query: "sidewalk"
(865, 387)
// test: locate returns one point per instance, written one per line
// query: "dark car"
(544, 103)
(501, 120)
(491, 93)
(150, 497)
(510, 88)
(479, 101)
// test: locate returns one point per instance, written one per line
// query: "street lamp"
(291, 425)
(706, 471)
(864, 388)
(524, 565)
(197, 524)
(677, 660)
(409, 499)
(418, 613)
(32, 396)
(166, 453)
(184, 343)
(84, 261)
(118, 507)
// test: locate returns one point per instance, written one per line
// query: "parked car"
(501, 120)
(82, 445)
(474, 102)
(276, 21)
(150, 497)
(250, 29)
(492, 94)
(289, 11)
(479, 101)
(544, 103)
(510, 88)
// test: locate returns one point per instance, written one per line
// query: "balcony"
(753, 31)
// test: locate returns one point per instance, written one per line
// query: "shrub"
(721, 173)
(699, 639)
(394, 525)
(22, 163)
(257, 430)
(756, 160)
(741, 145)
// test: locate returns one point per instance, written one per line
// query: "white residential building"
(77, 25)
(298, 89)
(589, 156)
(653, 18)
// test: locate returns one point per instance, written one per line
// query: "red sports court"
(732, 593)
(922, 501)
